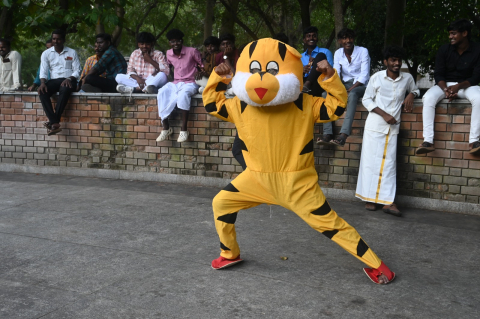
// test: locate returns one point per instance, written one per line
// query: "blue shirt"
(306, 58)
(37, 78)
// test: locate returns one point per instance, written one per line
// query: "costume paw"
(222, 262)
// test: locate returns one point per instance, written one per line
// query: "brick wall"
(108, 131)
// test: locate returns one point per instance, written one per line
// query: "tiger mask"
(268, 72)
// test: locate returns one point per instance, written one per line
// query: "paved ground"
(74, 247)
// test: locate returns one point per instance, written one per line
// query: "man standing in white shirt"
(64, 67)
(10, 67)
(352, 63)
(384, 97)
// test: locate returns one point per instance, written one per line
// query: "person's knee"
(218, 204)
(89, 79)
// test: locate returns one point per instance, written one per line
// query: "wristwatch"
(415, 94)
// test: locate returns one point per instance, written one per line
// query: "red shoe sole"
(375, 282)
(233, 262)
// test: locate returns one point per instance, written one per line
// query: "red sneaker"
(222, 262)
(386, 274)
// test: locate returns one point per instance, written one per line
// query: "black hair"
(175, 34)
(211, 40)
(145, 37)
(104, 36)
(48, 41)
(281, 37)
(461, 26)
(393, 51)
(310, 30)
(59, 32)
(5, 41)
(227, 36)
(345, 32)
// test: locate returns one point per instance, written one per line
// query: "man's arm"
(369, 103)
(101, 65)
(16, 70)
(162, 64)
(76, 67)
(213, 96)
(413, 91)
(364, 69)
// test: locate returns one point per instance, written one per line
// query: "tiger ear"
(294, 52)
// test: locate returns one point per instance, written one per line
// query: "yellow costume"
(275, 123)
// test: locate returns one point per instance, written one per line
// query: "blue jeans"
(353, 97)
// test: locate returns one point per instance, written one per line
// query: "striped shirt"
(91, 61)
(138, 66)
(112, 62)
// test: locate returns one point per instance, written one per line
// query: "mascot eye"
(255, 67)
(272, 67)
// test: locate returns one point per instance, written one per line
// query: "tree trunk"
(209, 15)
(6, 23)
(305, 13)
(339, 18)
(228, 17)
(117, 31)
(394, 22)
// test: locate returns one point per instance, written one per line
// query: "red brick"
(443, 136)
(456, 163)
(458, 119)
(458, 128)
(459, 137)
(439, 153)
(474, 164)
(26, 98)
(140, 128)
(17, 105)
(95, 127)
(407, 117)
(443, 118)
(456, 145)
(7, 98)
(7, 111)
(95, 113)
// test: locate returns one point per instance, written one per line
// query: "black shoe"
(425, 148)
(475, 148)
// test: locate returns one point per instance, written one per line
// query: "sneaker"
(475, 148)
(164, 135)
(91, 89)
(183, 136)
(222, 262)
(150, 89)
(381, 273)
(125, 89)
(425, 148)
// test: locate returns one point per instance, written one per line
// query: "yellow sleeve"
(331, 108)
(214, 99)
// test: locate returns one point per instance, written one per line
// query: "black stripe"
(228, 218)
(339, 111)
(243, 105)
(330, 233)
(223, 246)
(221, 87)
(211, 107)
(242, 144)
(231, 188)
(252, 48)
(322, 210)
(299, 102)
(282, 49)
(308, 148)
(361, 248)
(323, 113)
(223, 111)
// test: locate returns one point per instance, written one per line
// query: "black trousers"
(64, 92)
(106, 85)
(314, 74)
(237, 152)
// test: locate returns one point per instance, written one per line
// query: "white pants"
(158, 80)
(171, 94)
(435, 94)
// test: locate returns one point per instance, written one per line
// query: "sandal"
(340, 140)
(54, 130)
(325, 140)
(47, 125)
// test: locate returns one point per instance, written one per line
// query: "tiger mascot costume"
(275, 125)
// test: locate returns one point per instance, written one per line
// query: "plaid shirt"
(138, 66)
(91, 61)
(112, 62)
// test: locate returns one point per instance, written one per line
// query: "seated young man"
(229, 55)
(384, 97)
(185, 61)
(63, 66)
(211, 45)
(10, 68)
(91, 61)
(112, 62)
(310, 40)
(457, 75)
(36, 81)
(352, 63)
(147, 68)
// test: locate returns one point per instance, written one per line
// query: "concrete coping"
(196, 96)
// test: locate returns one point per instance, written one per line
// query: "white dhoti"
(179, 94)
(377, 178)
(158, 80)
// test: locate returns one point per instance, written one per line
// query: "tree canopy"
(28, 23)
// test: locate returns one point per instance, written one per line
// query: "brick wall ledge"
(134, 95)
(330, 193)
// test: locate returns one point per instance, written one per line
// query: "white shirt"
(359, 67)
(10, 72)
(387, 94)
(61, 65)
